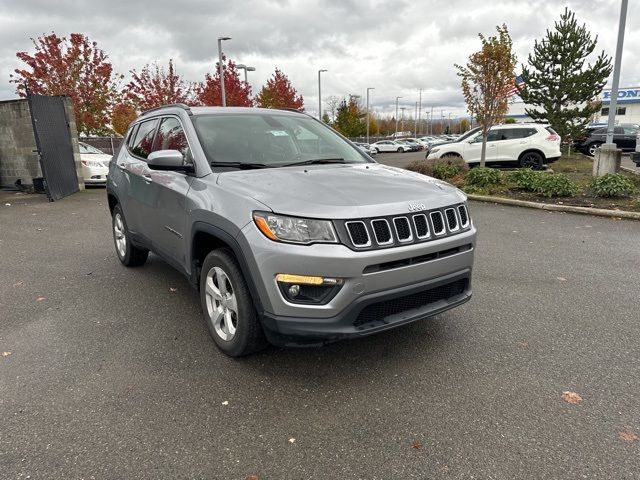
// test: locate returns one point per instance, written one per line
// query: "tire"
(531, 160)
(128, 254)
(400, 150)
(377, 150)
(591, 149)
(222, 289)
(450, 155)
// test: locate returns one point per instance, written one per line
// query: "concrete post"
(607, 160)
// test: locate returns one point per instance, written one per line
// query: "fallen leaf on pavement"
(6, 354)
(39, 299)
(562, 279)
(292, 440)
(226, 402)
(17, 284)
(628, 436)
(8, 204)
(173, 289)
(416, 445)
(252, 477)
(571, 397)
(524, 344)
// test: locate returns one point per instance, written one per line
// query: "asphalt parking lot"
(108, 372)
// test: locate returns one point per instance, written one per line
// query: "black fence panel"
(53, 138)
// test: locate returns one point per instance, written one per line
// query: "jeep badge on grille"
(417, 207)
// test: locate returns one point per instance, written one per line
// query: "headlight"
(91, 163)
(434, 150)
(281, 228)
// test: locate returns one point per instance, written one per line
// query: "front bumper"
(290, 331)
(290, 323)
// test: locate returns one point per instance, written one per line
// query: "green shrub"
(483, 177)
(612, 185)
(525, 178)
(555, 185)
(443, 168)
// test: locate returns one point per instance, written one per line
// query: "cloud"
(396, 46)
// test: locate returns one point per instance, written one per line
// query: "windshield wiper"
(318, 161)
(241, 165)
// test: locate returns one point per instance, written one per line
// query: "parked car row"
(624, 136)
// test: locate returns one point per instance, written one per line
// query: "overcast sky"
(397, 46)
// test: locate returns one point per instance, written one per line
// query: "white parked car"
(95, 164)
(366, 148)
(529, 145)
(390, 146)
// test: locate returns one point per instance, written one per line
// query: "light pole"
(613, 103)
(449, 122)
(415, 122)
(368, 88)
(396, 134)
(320, 95)
(431, 122)
(402, 121)
(246, 69)
(420, 110)
(221, 69)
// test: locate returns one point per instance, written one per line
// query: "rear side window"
(143, 141)
(171, 136)
(630, 130)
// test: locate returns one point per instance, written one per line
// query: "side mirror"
(171, 160)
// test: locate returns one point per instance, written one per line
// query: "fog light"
(294, 290)
(308, 289)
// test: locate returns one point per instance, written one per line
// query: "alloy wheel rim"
(222, 304)
(530, 161)
(592, 150)
(119, 235)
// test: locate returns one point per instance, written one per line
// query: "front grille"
(403, 229)
(452, 220)
(438, 223)
(422, 225)
(358, 233)
(393, 231)
(381, 310)
(382, 231)
(464, 216)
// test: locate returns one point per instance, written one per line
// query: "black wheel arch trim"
(533, 150)
(229, 240)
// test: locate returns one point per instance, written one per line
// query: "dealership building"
(627, 111)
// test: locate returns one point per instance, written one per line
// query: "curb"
(630, 170)
(558, 208)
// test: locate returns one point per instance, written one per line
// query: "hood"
(340, 191)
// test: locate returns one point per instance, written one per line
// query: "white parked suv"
(529, 145)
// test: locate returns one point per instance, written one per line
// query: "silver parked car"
(290, 233)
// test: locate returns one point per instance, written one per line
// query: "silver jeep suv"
(291, 233)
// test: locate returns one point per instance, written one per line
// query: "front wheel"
(128, 254)
(227, 306)
(377, 150)
(593, 148)
(400, 150)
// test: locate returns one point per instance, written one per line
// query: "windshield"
(473, 131)
(84, 149)
(273, 140)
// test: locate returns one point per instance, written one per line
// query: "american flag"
(518, 84)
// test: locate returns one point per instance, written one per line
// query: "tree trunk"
(483, 152)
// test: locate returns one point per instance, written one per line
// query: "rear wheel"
(531, 160)
(227, 305)
(593, 148)
(128, 254)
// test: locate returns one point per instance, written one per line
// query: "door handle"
(120, 166)
(147, 178)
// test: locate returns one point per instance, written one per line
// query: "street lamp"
(320, 95)
(246, 69)
(368, 88)
(221, 69)
(396, 135)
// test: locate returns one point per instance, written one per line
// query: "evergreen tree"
(557, 82)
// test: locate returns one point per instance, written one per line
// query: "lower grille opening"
(414, 260)
(381, 310)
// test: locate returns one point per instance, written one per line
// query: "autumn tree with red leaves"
(237, 92)
(122, 115)
(154, 87)
(279, 93)
(73, 67)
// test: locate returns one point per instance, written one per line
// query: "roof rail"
(178, 105)
(288, 109)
